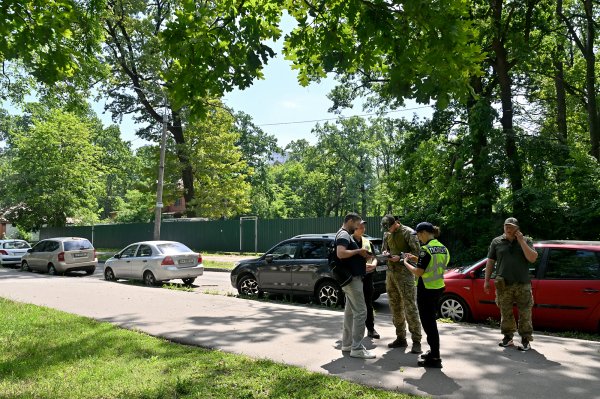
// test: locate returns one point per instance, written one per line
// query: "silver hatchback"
(61, 254)
(154, 261)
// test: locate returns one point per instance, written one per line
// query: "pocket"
(499, 283)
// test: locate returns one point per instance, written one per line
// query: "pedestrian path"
(474, 365)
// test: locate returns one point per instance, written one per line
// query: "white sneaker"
(362, 354)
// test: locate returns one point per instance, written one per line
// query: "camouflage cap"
(387, 221)
(512, 221)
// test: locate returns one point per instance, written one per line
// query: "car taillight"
(94, 254)
(199, 258)
(3, 252)
(61, 257)
(167, 261)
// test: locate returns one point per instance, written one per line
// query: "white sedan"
(154, 261)
(11, 251)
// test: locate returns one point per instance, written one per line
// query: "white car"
(154, 261)
(11, 251)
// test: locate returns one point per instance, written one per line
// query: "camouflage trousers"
(402, 294)
(506, 297)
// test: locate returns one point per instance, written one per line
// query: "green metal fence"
(245, 235)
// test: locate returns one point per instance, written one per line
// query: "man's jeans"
(355, 314)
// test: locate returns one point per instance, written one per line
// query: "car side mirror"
(30, 250)
(472, 274)
(117, 256)
(269, 258)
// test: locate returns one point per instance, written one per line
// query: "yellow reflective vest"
(433, 277)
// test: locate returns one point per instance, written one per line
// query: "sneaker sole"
(510, 343)
(524, 348)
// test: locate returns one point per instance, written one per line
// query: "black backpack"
(341, 274)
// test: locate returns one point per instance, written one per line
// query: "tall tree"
(180, 55)
(53, 171)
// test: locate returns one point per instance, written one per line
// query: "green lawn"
(45, 353)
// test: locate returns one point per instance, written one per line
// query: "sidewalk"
(474, 365)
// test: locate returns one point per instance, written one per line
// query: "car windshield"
(77, 245)
(16, 245)
(173, 248)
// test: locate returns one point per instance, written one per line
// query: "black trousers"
(427, 302)
(368, 291)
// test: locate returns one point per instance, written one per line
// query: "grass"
(213, 264)
(46, 353)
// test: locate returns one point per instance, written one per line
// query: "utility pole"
(161, 175)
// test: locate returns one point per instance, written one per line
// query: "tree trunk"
(502, 69)
(480, 119)
(590, 80)
(187, 174)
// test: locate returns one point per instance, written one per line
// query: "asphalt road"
(307, 336)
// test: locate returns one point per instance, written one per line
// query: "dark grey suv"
(299, 266)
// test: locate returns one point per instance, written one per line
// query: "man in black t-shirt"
(352, 256)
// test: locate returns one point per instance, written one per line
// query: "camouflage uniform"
(513, 286)
(400, 283)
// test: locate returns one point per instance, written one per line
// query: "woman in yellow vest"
(433, 259)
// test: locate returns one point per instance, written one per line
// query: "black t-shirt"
(356, 263)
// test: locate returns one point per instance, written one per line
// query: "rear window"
(77, 245)
(173, 248)
(16, 245)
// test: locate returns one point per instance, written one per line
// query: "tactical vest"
(433, 277)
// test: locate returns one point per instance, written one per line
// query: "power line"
(344, 117)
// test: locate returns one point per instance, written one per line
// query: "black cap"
(425, 226)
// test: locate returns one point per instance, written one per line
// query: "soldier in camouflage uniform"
(512, 253)
(400, 283)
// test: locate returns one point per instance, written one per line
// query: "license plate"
(381, 268)
(80, 255)
(185, 261)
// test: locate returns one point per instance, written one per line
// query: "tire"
(90, 271)
(330, 294)
(109, 275)
(52, 270)
(453, 307)
(248, 286)
(25, 266)
(149, 279)
(188, 281)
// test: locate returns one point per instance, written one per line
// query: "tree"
(53, 171)
(182, 56)
(219, 169)
(54, 41)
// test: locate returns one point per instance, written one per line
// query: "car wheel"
(90, 271)
(25, 266)
(149, 279)
(188, 281)
(329, 294)
(109, 275)
(248, 286)
(453, 307)
(51, 270)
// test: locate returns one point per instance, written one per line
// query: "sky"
(279, 105)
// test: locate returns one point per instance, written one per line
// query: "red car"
(565, 281)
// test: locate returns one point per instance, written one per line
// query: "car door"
(142, 260)
(34, 258)
(276, 272)
(310, 264)
(123, 267)
(569, 289)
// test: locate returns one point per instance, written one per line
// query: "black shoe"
(373, 334)
(431, 363)
(525, 345)
(506, 341)
(426, 355)
(398, 343)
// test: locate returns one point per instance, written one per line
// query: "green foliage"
(135, 207)
(53, 172)
(220, 173)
